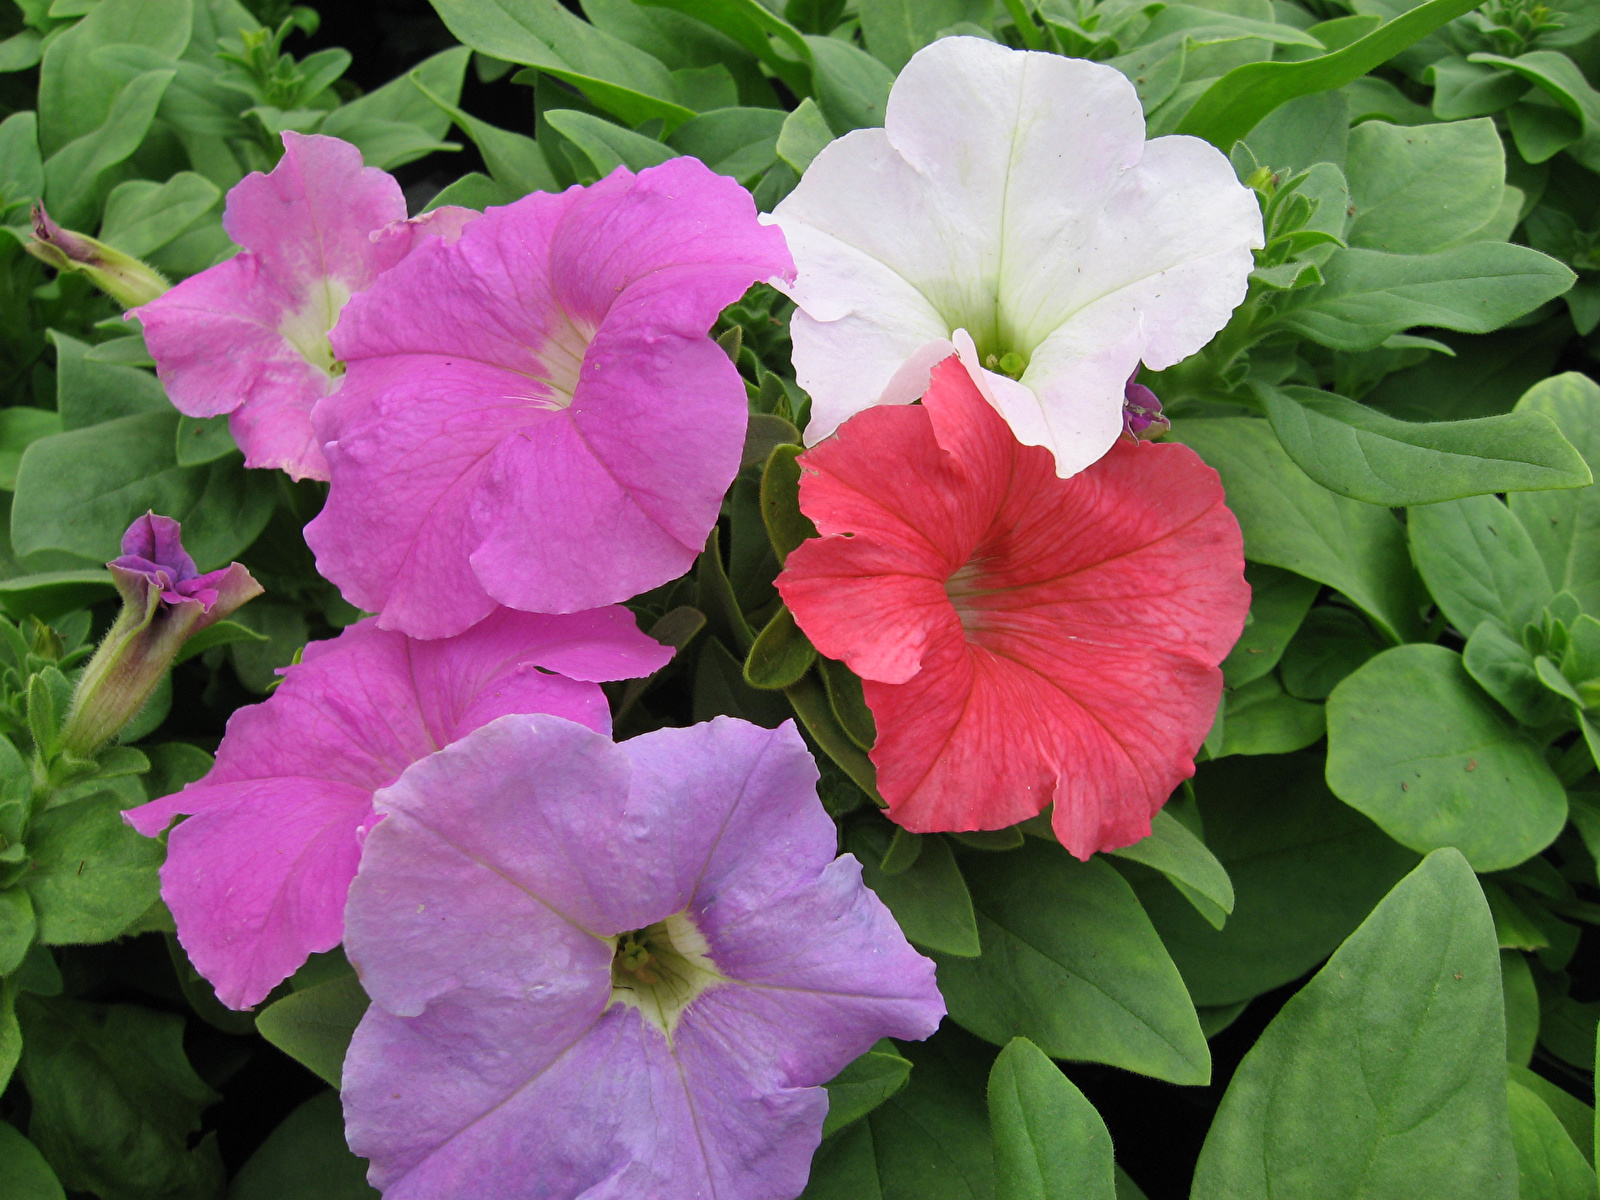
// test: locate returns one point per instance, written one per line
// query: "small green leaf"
(1184, 859)
(804, 136)
(1420, 189)
(780, 655)
(929, 897)
(142, 216)
(787, 526)
(24, 1174)
(851, 87)
(1279, 601)
(516, 162)
(1261, 718)
(849, 703)
(1561, 524)
(305, 1158)
(864, 1084)
(810, 701)
(222, 633)
(1417, 746)
(313, 1026)
(1331, 644)
(1049, 1142)
(1480, 563)
(1502, 666)
(1358, 452)
(1071, 961)
(20, 428)
(608, 146)
(1385, 1075)
(93, 873)
(1548, 1164)
(203, 439)
(17, 927)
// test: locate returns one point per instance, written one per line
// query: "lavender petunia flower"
(609, 970)
(534, 416)
(249, 336)
(256, 878)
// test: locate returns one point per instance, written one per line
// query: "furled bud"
(1141, 411)
(124, 278)
(165, 601)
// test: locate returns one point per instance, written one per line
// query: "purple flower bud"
(123, 277)
(1141, 411)
(165, 602)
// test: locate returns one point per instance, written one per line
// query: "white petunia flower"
(1012, 211)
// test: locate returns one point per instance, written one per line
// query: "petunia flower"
(165, 602)
(1024, 639)
(249, 336)
(256, 877)
(612, 970)
(1011, 209)
(534, 415)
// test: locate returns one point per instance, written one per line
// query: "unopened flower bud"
(165, 601)
(1141, 411)
(124, 278)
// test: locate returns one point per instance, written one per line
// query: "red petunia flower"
(1024, 639)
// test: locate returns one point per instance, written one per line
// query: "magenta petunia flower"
(249, 336)
(534, 415)
(256, 877)
(612, 970)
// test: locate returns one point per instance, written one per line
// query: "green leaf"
(1359, 452)
(847, 698)
(1071, 961)
(89, 391)
(1331, 643)
(1522, 1010)
(1424, 188)
(608, 146)
(1292, 522)
(1279, 601)
(780, 655)
(1369, 295)
(19, 429)
(222, 633)
(1049, 1142)
(620, 78)
(739, 142)
(314, 1026)
(1185, 860)
(78, 491)
(93, 874)
(516, 162)
(804, 135)
(1469, 89)
(896, 29)
(787, 526)
(1230, 108)
(1563, 81)
(1479, 562)
(1417, 746)
(473, 190)
(396, 123)
(852, 87)
(1261, 718)
(1385, 1075)
(115, 1101)
(21, 170)
(929, 1142)
(24, 1174)
(720, 690)
(52, 593)
(142, 215)
(202, 440)
(75, 91)
(1548, 1164)
(929, 897)
(1305, 870)
(77, 177)
(10, 1031)
(17, 927)
(756, 28)
(1503, 667)
(1562, 524)
(305, 1158)
(864, 1084)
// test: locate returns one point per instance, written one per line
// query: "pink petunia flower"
(249, 336)
(613, 970)
(1024, 639)
(256, 877)
(534, 415)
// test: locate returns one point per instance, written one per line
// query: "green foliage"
(1049, 1143)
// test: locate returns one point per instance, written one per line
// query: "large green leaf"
(115, 1101)
(1416, 189)
(92, 874)
(606, 144)
(1479, 562)
(1368, 296)
(1565, 526)
(1291, 521)
(1071, 962)
(305, 1158)
(1359, 452)
(1305, 869)
(1419, 747)
(929, 1142)
(396, 123)
(24, 1174)
(1548, 1164)
(864, 1084)
(1049, 1142)
(78, 491)
(314, 1026)
(851, 87)
(89, 391)
(1230, 108)
(620, 78)
(78, 176)
(1384, 1077)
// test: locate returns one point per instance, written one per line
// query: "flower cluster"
(626, 968)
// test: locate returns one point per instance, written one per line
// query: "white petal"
(1012, 194)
